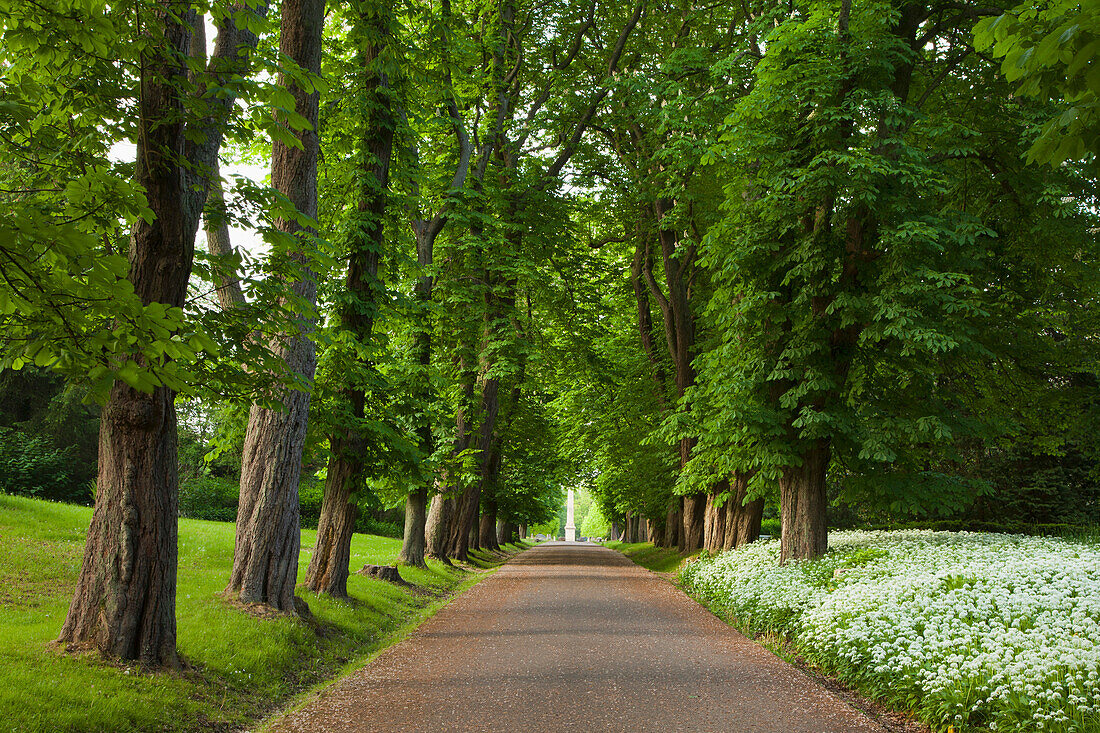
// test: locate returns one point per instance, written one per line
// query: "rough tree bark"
(488, 526)
(328, 568)
(330, 564)
(803, 506)
(265, 557)
(435, 527)
(473, 537)
(124, 603)
(467, 506)
(441, 524)
(125, 599)
(714, 520)
(742, 519)
(695, 507)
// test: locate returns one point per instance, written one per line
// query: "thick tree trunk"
(125, 599)
(656, 532)
(714, 517)
(488, 527)
(265, 555)
(695, 506)
(437, 527)
(265, 559)
(414, 541)
(469, 502)
(523, 531)
(742, 520)
(672, 526)
(473, 541)
(330, 565)
(447, 529)
(803, 504)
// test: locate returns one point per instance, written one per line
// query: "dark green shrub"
(369, 525)
(311, 491)
(31, 466)
(209, 497)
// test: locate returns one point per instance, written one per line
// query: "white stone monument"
(570, 525)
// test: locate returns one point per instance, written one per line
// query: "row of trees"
(692, 256)
(866, 293)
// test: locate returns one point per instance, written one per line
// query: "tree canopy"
(713, 263)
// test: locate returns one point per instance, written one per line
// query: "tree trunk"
(265, 554)
(656, 530)
(470, 501)
(694, 510)
(742, 520)
(437, 526)
(672, 527)
(125, 600)
(364, 289)
(473, 541)
(714, 517)
(227, 284)
(803, 506)
(523, 531)
(330, 565)
(265, 558)
(488, 527)
(414, 542)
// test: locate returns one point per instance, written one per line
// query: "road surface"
(575, 637)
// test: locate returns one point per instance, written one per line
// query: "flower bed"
(975, 631)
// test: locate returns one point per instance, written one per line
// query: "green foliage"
(209, 497)
(1050, 49)
(594, 523)
(30, 466)
(48, 437)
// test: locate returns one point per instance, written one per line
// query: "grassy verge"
(239, 667)
(657, 559)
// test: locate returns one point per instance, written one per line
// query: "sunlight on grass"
(239, 666)
(657, 559)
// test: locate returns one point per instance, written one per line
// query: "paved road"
(574, 637)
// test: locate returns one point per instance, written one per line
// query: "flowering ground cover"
(971, 631)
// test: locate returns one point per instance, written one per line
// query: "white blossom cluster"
(975, 631)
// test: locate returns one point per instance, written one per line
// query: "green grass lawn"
(657, 559)
(238, 667)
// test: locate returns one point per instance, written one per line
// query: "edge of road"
(308, 695)
(895, 721)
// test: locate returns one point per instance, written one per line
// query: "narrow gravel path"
(576, 637)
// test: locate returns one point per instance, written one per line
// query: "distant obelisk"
(570, 526)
